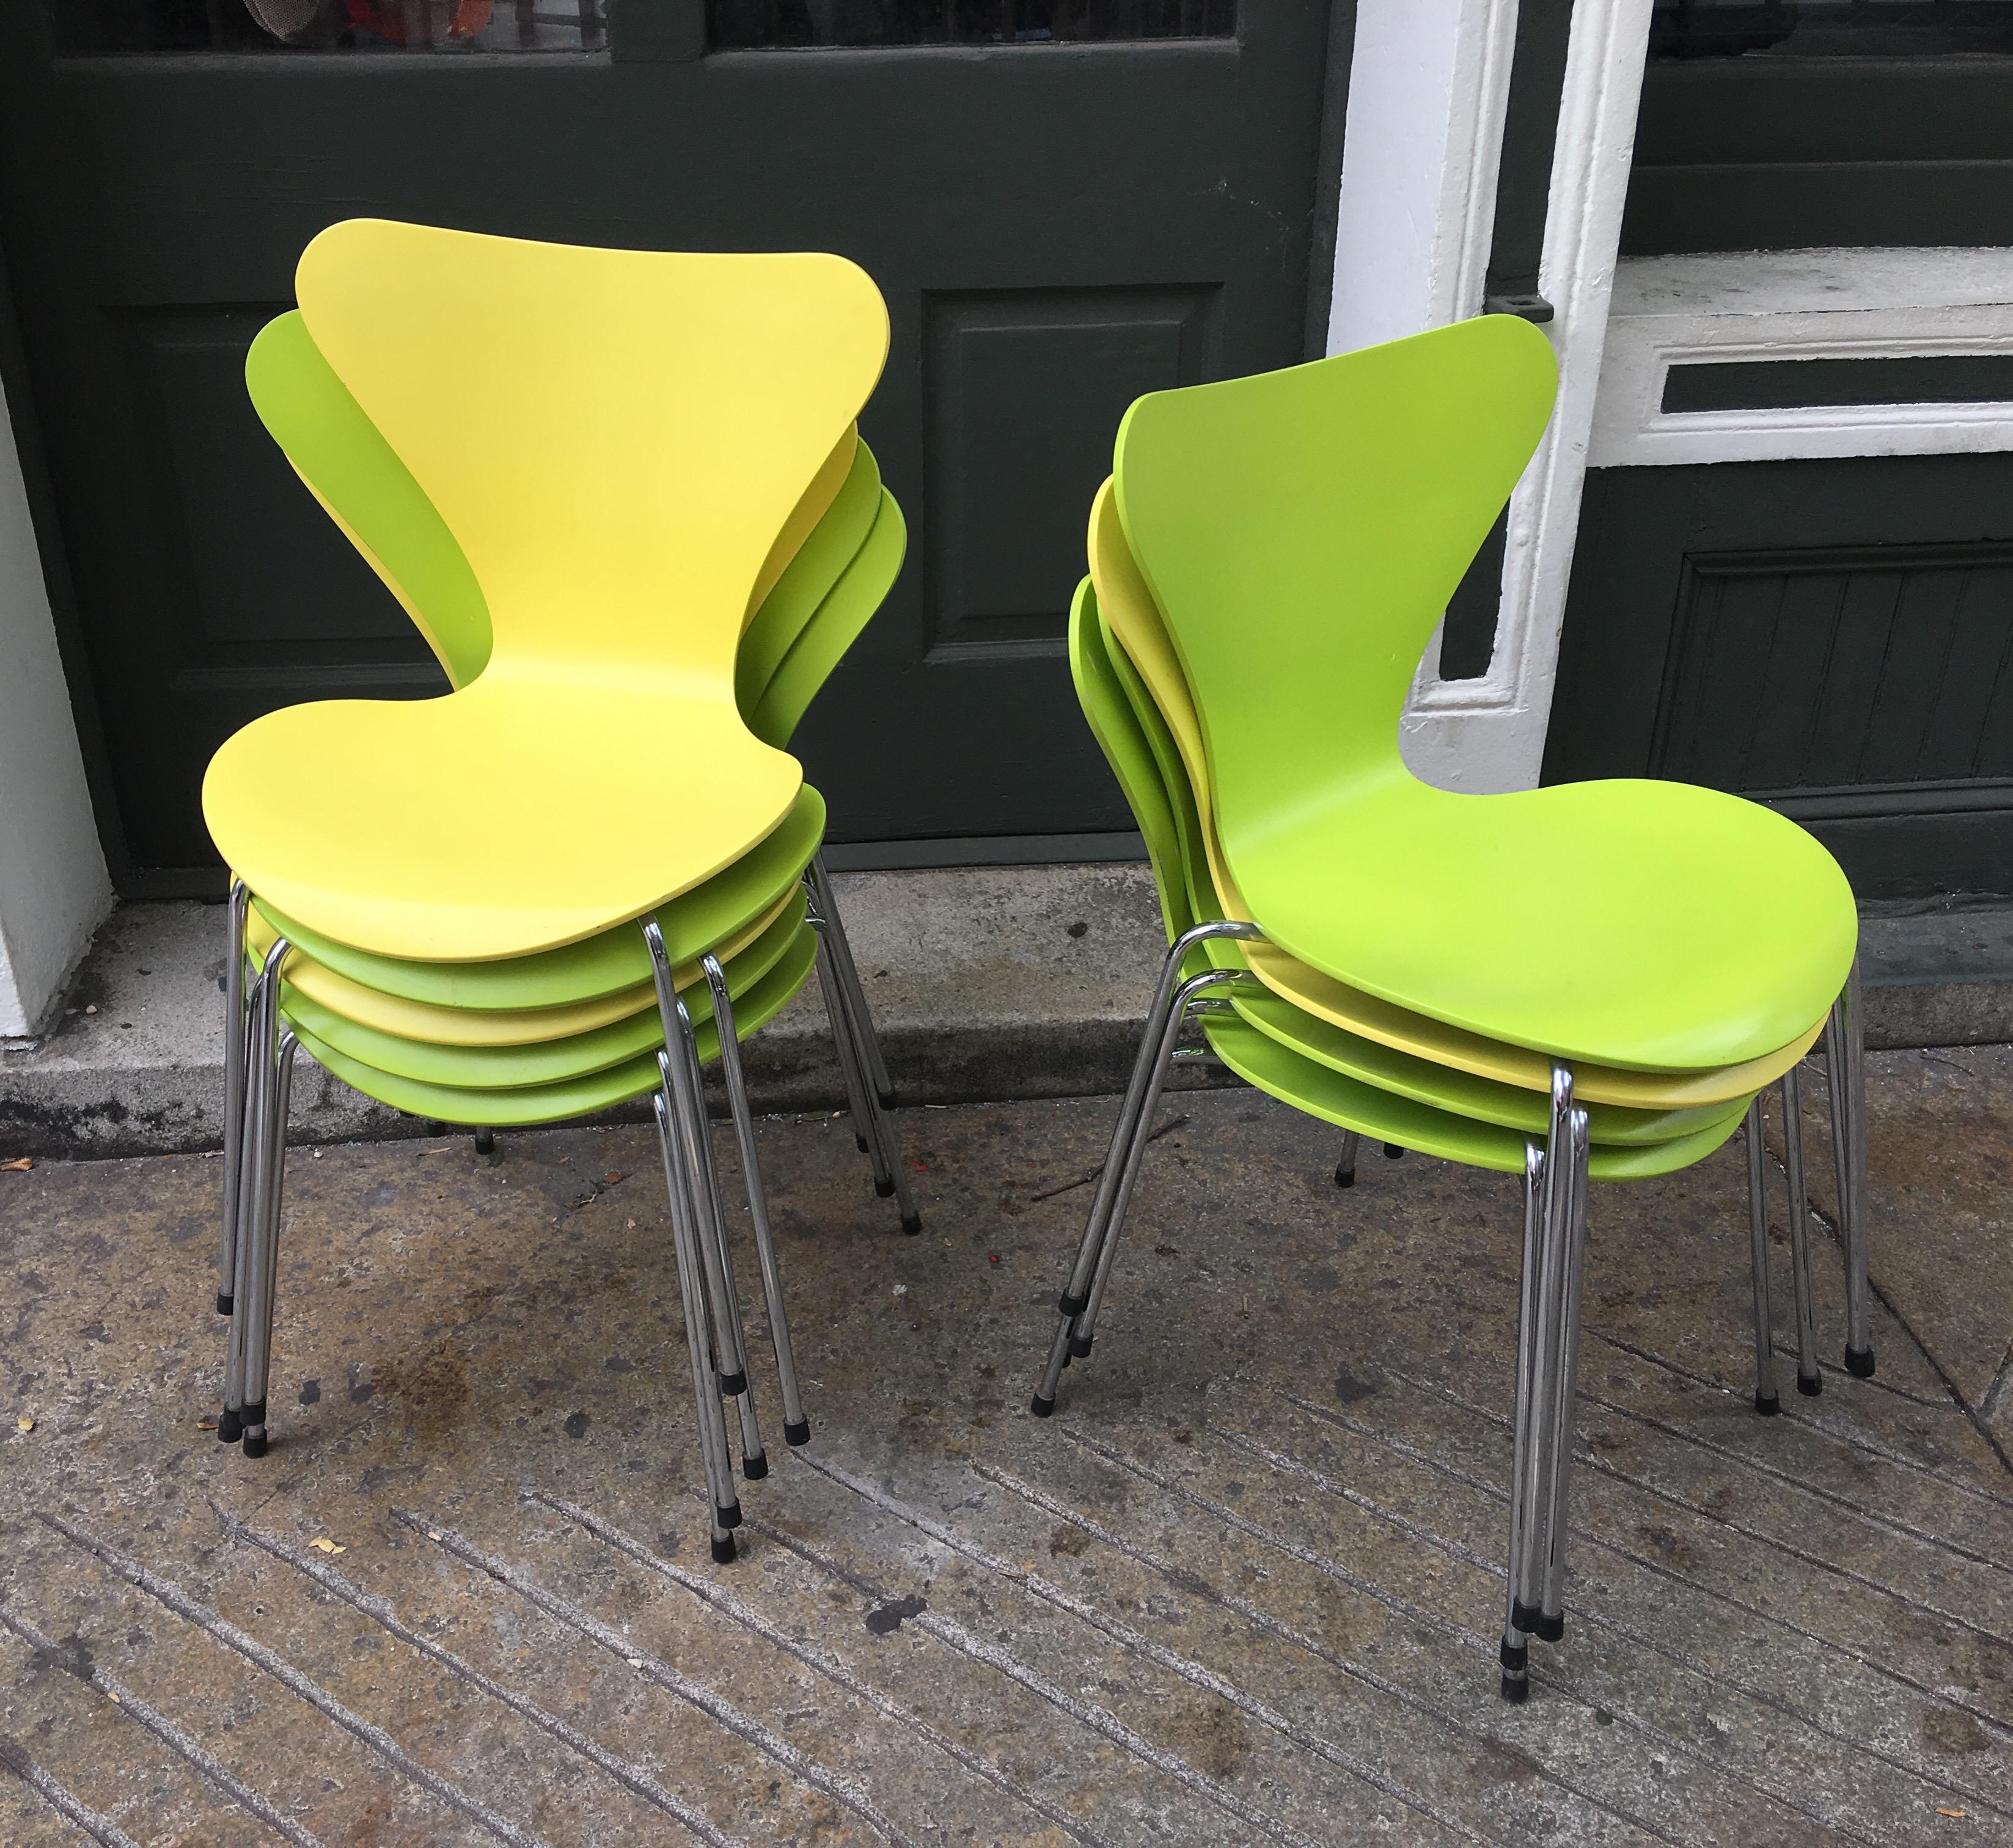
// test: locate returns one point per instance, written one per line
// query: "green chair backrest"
(369, 492)
(1301, 532)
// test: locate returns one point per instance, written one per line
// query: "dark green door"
(1066, 202)
(1831, 635)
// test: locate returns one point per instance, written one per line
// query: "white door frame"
(1428, 87)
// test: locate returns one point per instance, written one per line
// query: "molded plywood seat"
(1650, 926)
(1575, 984)
(619, 505)
(575, 879)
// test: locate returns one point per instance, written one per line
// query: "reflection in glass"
(102, 26)
(759, 25)
(1829, 28)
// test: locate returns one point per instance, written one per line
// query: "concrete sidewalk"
(1243, 1588)
(986, 982)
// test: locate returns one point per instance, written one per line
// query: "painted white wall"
(54, 890)
(1429, 86)
(1429, 83)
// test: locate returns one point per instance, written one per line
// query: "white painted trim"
(54, 889)
(1792, 305)
(1488, 734)
(1429, 88)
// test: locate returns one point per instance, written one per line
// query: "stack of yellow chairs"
(1589, 982)
(622, 496)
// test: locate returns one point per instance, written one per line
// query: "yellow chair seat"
(509, 817)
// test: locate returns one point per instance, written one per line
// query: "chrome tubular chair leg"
(796, 1427)
(724, 1508)
(1186, 1003)
(848, 1056)
(867, 1043)
(1810, 1382)
(711, 1226)
(871, 1128)
(1079, 1305)
(273, 1170)
(1547, 1381)
(233, 1087)
(261, 1030)
(1345, 1166)
(1553, 1623)
(1767, 1402)
(1515, 1654)
(1154, 1045)
(1845, 1050)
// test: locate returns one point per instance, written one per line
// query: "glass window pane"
(1829, 28)
(762, 25)
(85, 26)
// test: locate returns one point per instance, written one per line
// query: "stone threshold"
(987, 983)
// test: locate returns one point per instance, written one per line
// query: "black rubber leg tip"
(1394, 1151)
(890, 1100)
(1514, 1656)
(229, 1428)
(1345, 1177)
(1080, 1346)
(1525, 1617)
(1768, 1404)
(255, 1443)
(728, 1517)
(798, 1434)
(1041, 1407)
(733, 1384)
(1859, 1362)
(860, 1142)
(724, 1550)
(1516, 1689)
(912, 1224)
(755, 1467)
(224, 1305)
(1071, 1307)
(1811, 1385)
(485, 1142)
(885, 1188)
(1549, 1629)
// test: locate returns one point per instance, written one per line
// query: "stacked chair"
(622, 495)
(1594, 981)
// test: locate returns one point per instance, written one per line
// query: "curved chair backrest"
(1301, 532)
(368, 492)
(617, 440)
(371, 495)
(1112, 723)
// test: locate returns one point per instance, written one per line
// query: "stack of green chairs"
(419, 937)
(1589, 982)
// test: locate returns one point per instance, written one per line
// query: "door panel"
(1055, 227)
(1834, 638)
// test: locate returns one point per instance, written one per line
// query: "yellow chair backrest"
(618, 440)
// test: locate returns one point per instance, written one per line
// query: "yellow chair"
(624, 506)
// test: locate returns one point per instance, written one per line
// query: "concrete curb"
(986, 983)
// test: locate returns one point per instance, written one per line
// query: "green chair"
(1299, 534)
(1369, 1039)
(699, 435)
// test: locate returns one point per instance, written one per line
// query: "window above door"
(1829, 28)
(775, 25)
(89, 27)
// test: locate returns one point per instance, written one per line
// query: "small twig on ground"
(1090, 1175)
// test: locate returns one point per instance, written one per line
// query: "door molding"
(1787, 306)
(1411, 250)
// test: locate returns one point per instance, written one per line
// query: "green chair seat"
(526, 1106)
(1648, 926)
(542, 1062)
